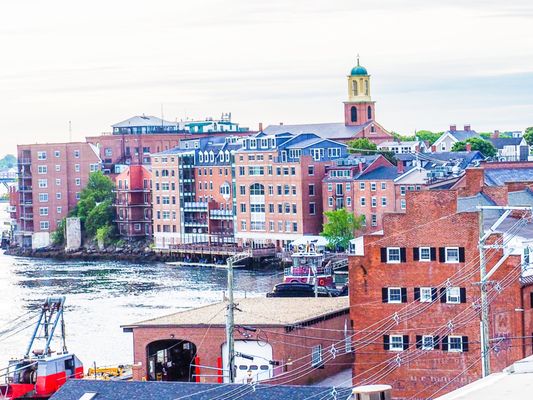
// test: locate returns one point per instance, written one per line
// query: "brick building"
(281, 335)
(279, 187)
(413, 296)
(133, 202)
(359, 111)
(51, 177)
(193, 192)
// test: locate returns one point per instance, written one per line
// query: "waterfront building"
(359, 111)
(272, 346)
(278, 185)
(51, 178)
(193, 192)
(416, 280)
(133, 202)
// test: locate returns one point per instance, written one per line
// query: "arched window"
(354, 88)
(369, 111)
(257, 190)
(353, 113)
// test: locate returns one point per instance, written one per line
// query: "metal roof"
(521, 198)
(499, 176)
(74, 389)
(380, 173)
(143, 120)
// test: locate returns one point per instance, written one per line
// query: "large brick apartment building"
(51, 177)
(414, 297)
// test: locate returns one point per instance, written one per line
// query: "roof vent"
(88, 396)
(372, 392)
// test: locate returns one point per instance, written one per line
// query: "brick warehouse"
(426, 260)
(290, 347)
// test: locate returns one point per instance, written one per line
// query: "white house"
(511, 149)
(446, 141)
(415, 146)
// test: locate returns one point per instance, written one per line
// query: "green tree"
(58, 236)
(100, 215)
(360, 146)
(484, 147)
(528, 135)
(9, 161)
(103, 234)
(429, 136)
(340, 227)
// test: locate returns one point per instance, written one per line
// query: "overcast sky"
(99, 62)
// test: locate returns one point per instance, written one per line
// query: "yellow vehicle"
(108, 373)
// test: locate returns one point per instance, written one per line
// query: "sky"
(95, 63)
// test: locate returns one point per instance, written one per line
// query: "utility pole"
(230, 324)
(484, 276)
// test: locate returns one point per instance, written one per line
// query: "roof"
(143, 120)
(469, 204)
(358, 70)
(500, 143)
(521, 198)
(499, 176)
(380, 173)
(254, 311)
(512, 383)
(463, 135)
(74, 389)
(396, 144)
(335, 130)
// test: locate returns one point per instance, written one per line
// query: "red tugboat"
(41, 372)
(309, 266)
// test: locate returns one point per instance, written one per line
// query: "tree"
(340, 227)
(484, 147)
(9, 161)
(528, 135)
(429, 136)
(100, 215)
(360, 145)
(58, 236)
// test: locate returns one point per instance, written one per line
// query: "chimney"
(361, 167)
(468, 147)
(399, 166)
(260, 127)
(467, 128)
(281, 123)
(453, 128)
(433, 148)
(496, 134)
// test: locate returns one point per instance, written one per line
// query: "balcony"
(27, 203)
(25, 188)
(27, 216)
(195, 206)
(221, 214)
(195, 223)
(24, 161)
(12, 209)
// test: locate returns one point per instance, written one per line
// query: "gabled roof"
(521, 198)
(469, 204)
(74, 389)
(499, 176)
(143, 120)
(335, 130)
(500, 143)
(380, 173)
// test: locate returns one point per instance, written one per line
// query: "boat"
(41, 372)
(298, 289)
(309, 266)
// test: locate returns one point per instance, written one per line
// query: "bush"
(103, 234)
(58, 236)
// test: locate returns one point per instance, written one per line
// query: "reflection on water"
(101, 296)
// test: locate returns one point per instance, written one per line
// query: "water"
(102, 296)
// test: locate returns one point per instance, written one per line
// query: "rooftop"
(74, 389)
(143, 120)
(500, 143)
(335, 130)
(498, 177)
(254, 311)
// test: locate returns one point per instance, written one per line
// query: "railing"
(221, 214)
(24, 161)
(195, 206)
(192, 222)
(27, 216)
(25, 188)
(304, 271)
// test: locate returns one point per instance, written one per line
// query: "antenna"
(162, 123)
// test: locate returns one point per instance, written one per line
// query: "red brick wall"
(430, 221)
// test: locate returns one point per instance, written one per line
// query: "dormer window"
(253, 143)
(200, 157)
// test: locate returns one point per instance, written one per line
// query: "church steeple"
(359, 109)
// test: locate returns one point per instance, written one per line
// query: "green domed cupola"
(358, 69)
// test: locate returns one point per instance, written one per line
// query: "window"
(330, 201)
(384, 201)
(402, 204)
(316, 356)
(43, 183)
(453, 295)
(348, 186)
(43, 197)
(44, 225)
(78, 181)
(452, 254)
(271, 226)
(455, 343)
(369, 112)
(362, 201)
(374, 220)
(77, 153)
(311, 189)
(43, 211)
(426, 294)
(393, 255)
(374, 201)
(77, 167)
(271, 208)
(353, 111)
(58, 195)
(394, 295)
(361, 186)
(242, 190)
(349, 201)
(373, 186)
(428, 342)
(294, 208)
(257, 190)
(311, 170)
(57, 153)
(312, 208)
(424, 254)
(59, 210)
(41, 155)
(286, 190)
(58, 168)
(383, 185)
(42, 169)
(330, 187)
(396, 343)
(402, 190)
(293, 189)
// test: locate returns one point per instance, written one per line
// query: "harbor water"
(102, 296)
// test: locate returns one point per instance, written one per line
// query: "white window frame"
(455, 350)
(446, 249)
(383, 185)
(393, 343)
(42, 169)
(389, 295)
(44, 225)
(383, 201)
(362, 201)
(426, 294)
(373, 186)
(43, 211)
(420, 258)
(391, 261)
(453, 295)
(424, 345)
(361, 186)
(316, 356)
(41, 155)
(402, 204)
